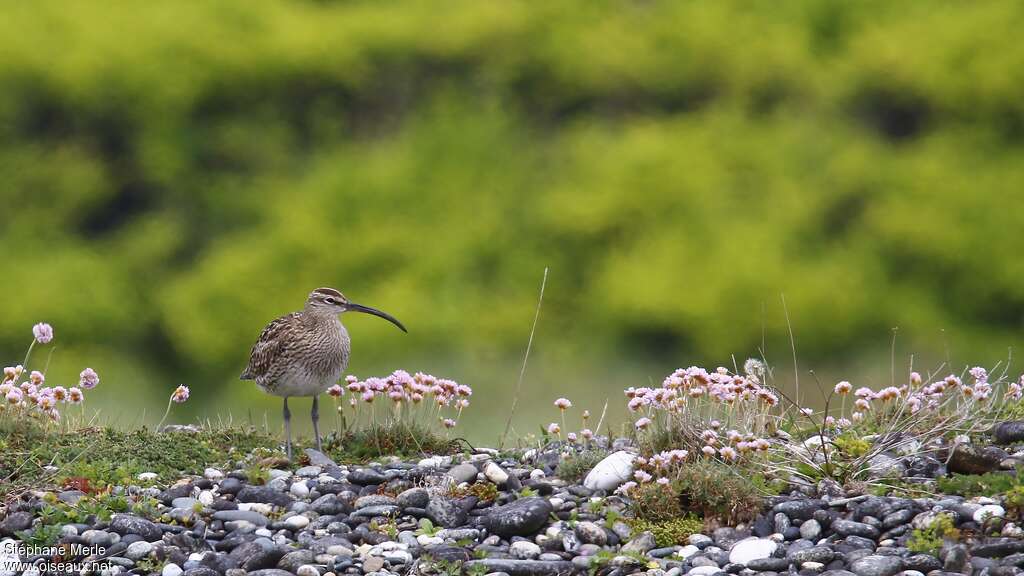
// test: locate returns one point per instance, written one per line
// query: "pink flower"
(586, 415)
(335, 391)
(571, 437)
(88, 379)
(14, 396)
(180, 394)
(643, 423)
(43, 332)
(75, 395)
(563, 403)
(368, 396)
(727, 453)
(642, 477)
(46, 402)
(625, 488)
(915, 379)
(807, 411)
(843, 387)
(554, 428)
(979, 374)
(587, 433)
(663, 481)
(864, 392)
(37, 378)
(449, 423)
(60, 393)
(708, 450)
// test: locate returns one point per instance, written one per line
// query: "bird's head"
(332, 301)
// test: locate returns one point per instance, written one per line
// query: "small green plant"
(389, 528)
(611, 516)
(41, 535)
(852, 446)
(929, 540)
(257, 474)
(483, 491)
(427, 528)
(150, 565)
(669, 532)
(1014, 499)
(574, 467)
(527, 492)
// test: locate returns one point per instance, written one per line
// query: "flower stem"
(29, 353)
(166, 412)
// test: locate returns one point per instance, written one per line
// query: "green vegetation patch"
(90, 459)
(669, 532)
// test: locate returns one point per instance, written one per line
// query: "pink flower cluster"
(735, 444)
(400, 387)
(32, 393)
(655, 469)
(697, 383)
(921, 395)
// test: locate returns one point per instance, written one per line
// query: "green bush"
(702, 158)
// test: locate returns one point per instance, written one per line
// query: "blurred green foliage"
(176, 174)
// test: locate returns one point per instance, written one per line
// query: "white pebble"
(307, 570)
(537, 474)
(426, 540)
(213, 474)
(687, 551)
(206, 498)
(147, 476)
(299, 490)
(989, 511)
(297, 522)
(172, 569)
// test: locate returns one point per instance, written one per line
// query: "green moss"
(91, 459)
(852, 446)
(574, 467)
(402, 440)
(929, 540)
(968, 485)
(484, 491)
(669, 532)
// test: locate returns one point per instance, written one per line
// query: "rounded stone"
(524, 550)
(746, 550)
(610, 472)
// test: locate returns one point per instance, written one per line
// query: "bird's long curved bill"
(375, 312)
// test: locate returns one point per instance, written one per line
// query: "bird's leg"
(287, 428)
(315, 415)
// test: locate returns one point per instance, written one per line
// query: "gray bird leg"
(287, 428)
(315, 415)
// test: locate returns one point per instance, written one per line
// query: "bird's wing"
(269, 348)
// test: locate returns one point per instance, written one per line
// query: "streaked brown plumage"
(304, 353)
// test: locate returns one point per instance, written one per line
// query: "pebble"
(611, 472)
(320, 518)
(746, 550)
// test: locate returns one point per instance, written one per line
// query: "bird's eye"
(330, 300)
